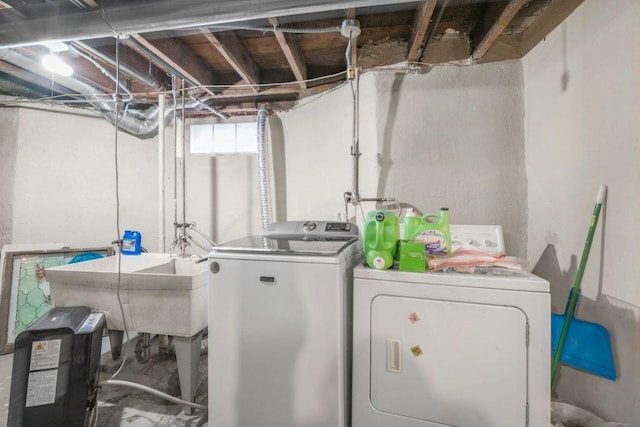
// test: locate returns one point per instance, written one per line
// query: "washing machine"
(280, 322)
(450, 349)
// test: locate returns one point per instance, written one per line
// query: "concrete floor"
(124, 406)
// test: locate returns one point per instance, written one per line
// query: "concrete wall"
(8, 151)
(57, 177)
(222, 197)
(452, 137)
(64, 188)
(582, 104)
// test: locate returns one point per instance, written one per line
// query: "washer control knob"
(309, 226)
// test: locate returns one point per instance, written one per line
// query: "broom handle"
(571, 307)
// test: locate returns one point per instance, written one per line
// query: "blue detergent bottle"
(131, 243)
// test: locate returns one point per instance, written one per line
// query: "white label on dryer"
(45, 354)
(41, 389)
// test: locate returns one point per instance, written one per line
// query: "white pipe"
(156, 393)
(161, 166)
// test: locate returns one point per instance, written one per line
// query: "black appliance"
(55, 369)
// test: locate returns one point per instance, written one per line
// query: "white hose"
(156, 393)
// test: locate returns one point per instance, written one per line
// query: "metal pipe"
(184, 172)
(104, 71)
(445, 3)
(263, 171)
(64, 21)
(278, 29)
(175, 162)
(161, 166)
(144, 128)
(355, 148)
(123, 67)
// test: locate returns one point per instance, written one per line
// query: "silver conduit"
(123, 67)
(278, 29)
(263, 171)
(146, 126)
(104, 71)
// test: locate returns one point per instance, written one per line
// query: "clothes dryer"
(450, 349)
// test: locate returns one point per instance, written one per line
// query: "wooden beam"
(548, 20)
(280, 90)
(178, 56)
(421, 21)
(292, 53)
(230, 47)
(33, 78)
(496, 27)
(134, 61)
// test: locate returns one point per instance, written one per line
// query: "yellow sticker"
(416, 350)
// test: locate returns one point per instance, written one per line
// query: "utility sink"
(160, 294)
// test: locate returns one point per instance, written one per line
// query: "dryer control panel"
(484, 238)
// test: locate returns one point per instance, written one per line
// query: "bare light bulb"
(56, 65)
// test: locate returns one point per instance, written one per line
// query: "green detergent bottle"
(433, 231)
(381, 235)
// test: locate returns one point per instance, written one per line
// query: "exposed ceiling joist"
(178, 57)
(454, 30)
(63, 21)
(496, 26)
(550, 18)
(292, 53)
(32, 78)
(144, 75)
(420, 26)
(231, 49)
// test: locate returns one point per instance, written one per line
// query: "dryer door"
(452, 363)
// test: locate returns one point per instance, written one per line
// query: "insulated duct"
(64, 21)
(143, 126)
(263, 170)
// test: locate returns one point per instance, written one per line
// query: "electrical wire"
(117, 182)
(59, 98)
(155, 392)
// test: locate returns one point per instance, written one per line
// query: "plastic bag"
(566, 415)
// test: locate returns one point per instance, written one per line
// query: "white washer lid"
(288, 244)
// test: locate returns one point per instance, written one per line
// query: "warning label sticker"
(41, 389)
(45, 354)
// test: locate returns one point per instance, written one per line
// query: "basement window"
(223, 138)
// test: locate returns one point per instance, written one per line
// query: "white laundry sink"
(160, 294)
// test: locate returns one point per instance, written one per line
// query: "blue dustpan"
(587, 346)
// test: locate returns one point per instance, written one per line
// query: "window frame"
(213, 122)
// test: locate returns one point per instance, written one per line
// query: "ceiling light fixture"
(56, 65)
(55, 45)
